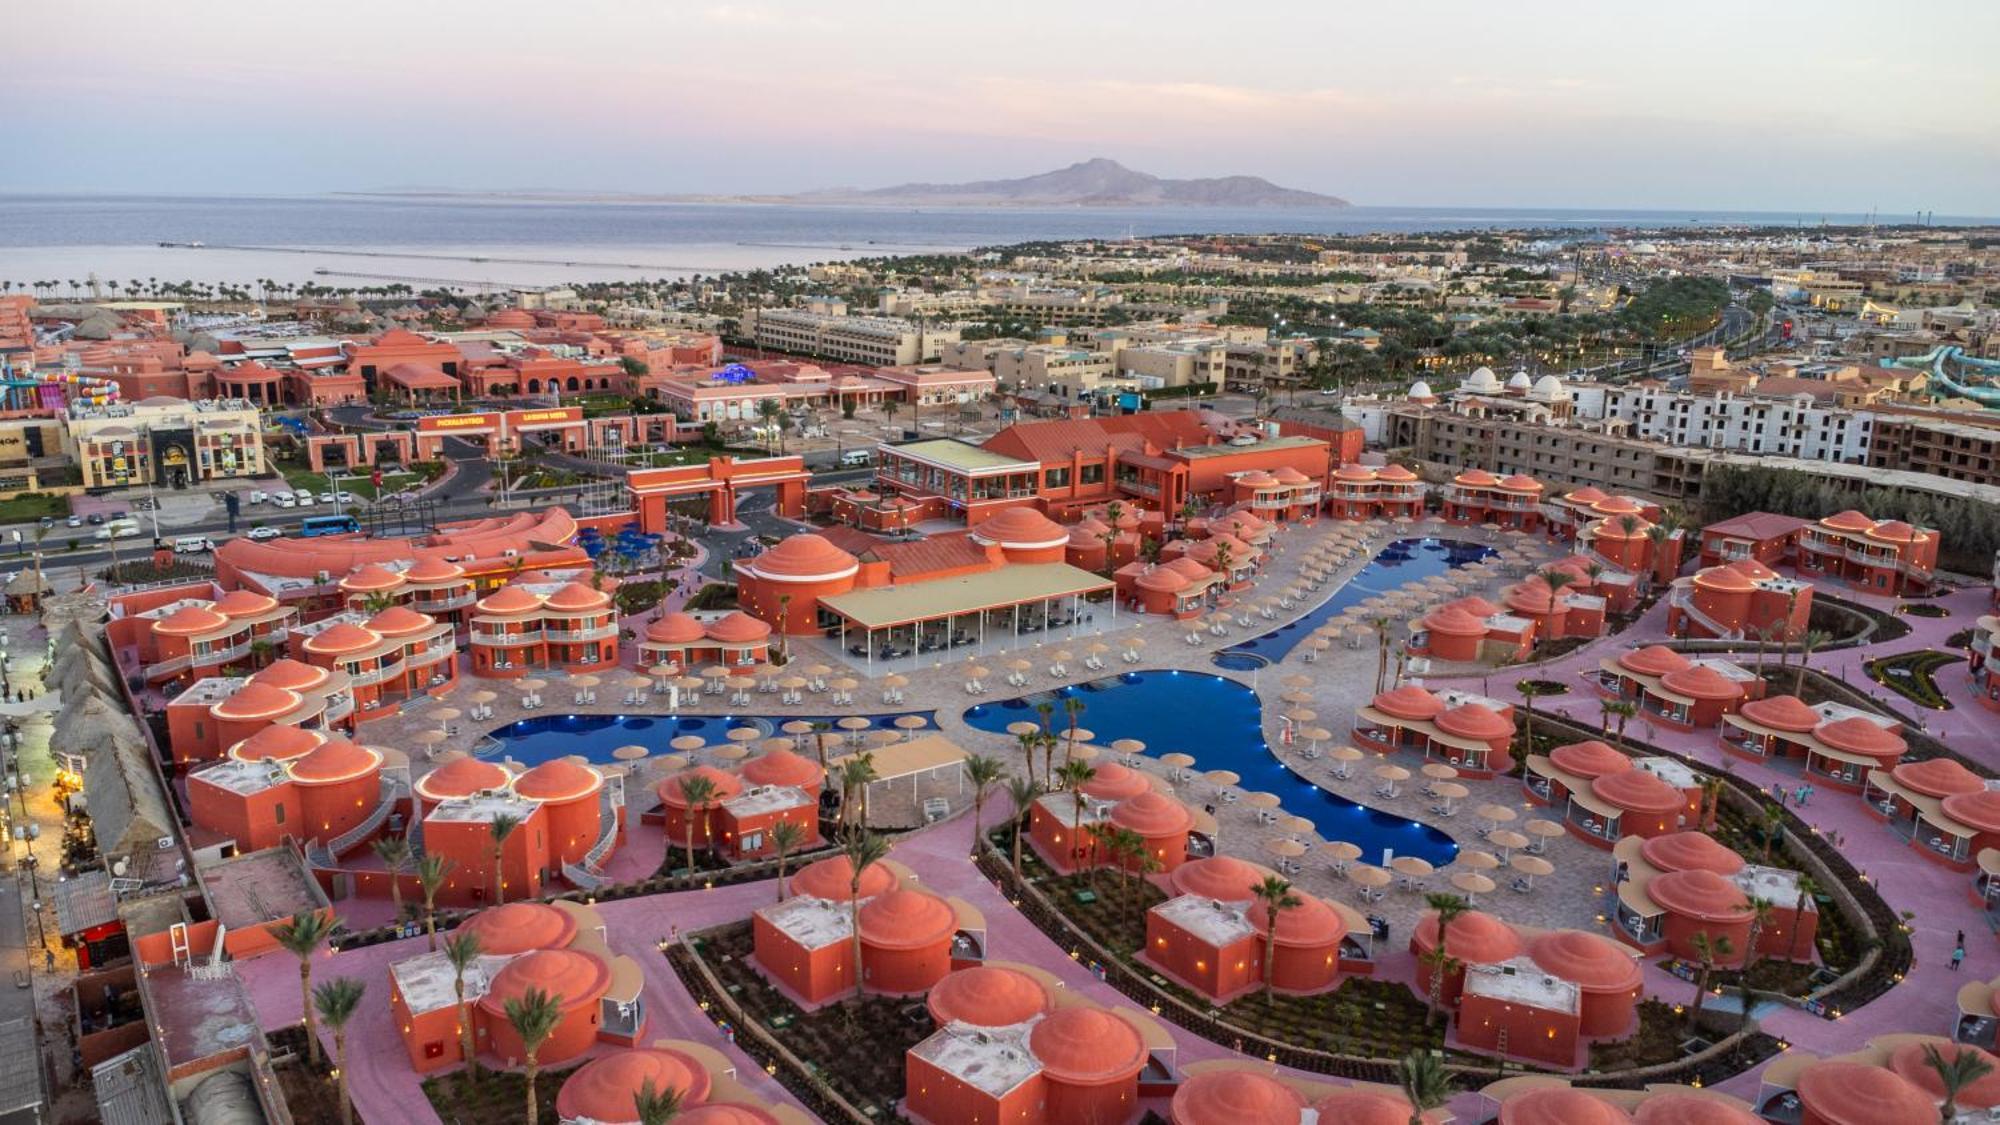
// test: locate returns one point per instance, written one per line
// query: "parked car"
(326, 498)
(75, 521)
(258, 496)
(341, 497)
(302, 498)
(193, 544)
(118, 529)
(262, 533)
(285, 500)
(96, 518)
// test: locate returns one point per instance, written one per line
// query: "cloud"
(759, 17)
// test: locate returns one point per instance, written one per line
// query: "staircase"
(347, 841)
(1682, 600)
(585, 875)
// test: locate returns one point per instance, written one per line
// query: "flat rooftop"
(1521, 981)
(208, 692)
(766, 799)
(1456, 697)
(965, 457)
(241, 778)
(1217, 923)
(198, 1019)
(261, 887)
(1062, 807)
(1773, 883)
(1830, 712)
(992, 1060)
(427, 982)
(814, 923)
(1226, 449)
(482, 808)
(1012, 584)
(1670, 770)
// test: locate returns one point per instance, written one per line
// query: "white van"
(284, 500)
(857, 457)
(193, 544)
(119, 529)
(302, 498)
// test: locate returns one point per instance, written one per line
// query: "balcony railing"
(439, 605)
(338, 707)
(376, 675)
(597, 633)
(522, 637)
(430, 654)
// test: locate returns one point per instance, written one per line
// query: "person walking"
(1957, 956)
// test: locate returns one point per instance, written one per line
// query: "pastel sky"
(1837, 105)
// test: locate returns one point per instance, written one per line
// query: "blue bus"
(328, 525)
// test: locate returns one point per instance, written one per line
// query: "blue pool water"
(1404, 560)
(1217, 720)
(536, 740)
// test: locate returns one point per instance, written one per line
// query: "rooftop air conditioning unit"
(164, 843)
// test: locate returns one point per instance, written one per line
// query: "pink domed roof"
(602, 1090)
(399, 621)
(520, 927)
(738, 628)
(461, 777)
(1163, 580)
(1152, 815)
(783, 767)
(1521, 482)
(1589, 759)
(675, 629)
(292, 675)
(1356, 1106)
(1396, 473)
(1238, 1097)
(832, 878)
(558, 779)
(402, 337)
(1584, 495)
(1752, 569)
(1701, 682)
(568, 975)
(1475, 937)
(988, 996)
(1476, 478)
(373, 578)
(1592, 961)
(1908, 1060)
(510, 599)
(1475, 721)
(1087, 1046)
(1616, 506)
(244, 603)
(1287, 475)
(1653, 660)
(1312, 924)
(255, 700)
(1690, 851)
(1892, 531)
(1849, 520)
(434, 570)
(1476, 606)
(1559, 1105)
(1354, 473)
(1701, 895)
(1256, 478)
(1409, 702)
(1020, 528)
(1531, 595)
(341, 638)
(1456, 622)
(1723, 578)
(1781, 712)
(335, 760)
(511, 318)
(1680, 1107)
(725, 1113)
(190, 620)
(1113, 782)
(1979, 810)
(1223, 878)
(1857, 735)
(1615, 528)
(276, 743)
(576, 597)
(1852, 1093)
(1187, 568)
(1937, 777)
(907, 919)
(1637, 791)
(803, 558)
(727, 785)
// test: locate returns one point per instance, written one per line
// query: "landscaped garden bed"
(1913, 675)
(496, 1095)
(1924, 609)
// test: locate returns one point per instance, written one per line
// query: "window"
(1091, 474)
(278, 813)
(1056, 478)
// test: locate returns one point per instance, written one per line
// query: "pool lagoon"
(535, 740)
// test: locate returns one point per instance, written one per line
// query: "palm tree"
(394, 852)
(1022, 790)
(984, 772)
(336, 1001)
(1708, 949)
(1448, 908)
(1075, 775)
(1277, 897)
(503, 827)
(1530, 690)
(1623, 710)
(432, 870)
(1072, 711)
(656, 1106)
(1964, 1068)
(1711, 800)
(1425, 1082)
(1381, 627)
(1808, 644)
(1762, 912)
(1774, 830)
(301, 937)
(697, 791)
(863, 850)
(856, 774)
(533, 1015)
(462, 949)
(1125, 848)
(786, 836)
(819, 731)
(1808, 889)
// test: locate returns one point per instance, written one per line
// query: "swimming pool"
(1218, 721)
(1404, 560)
(535, 740)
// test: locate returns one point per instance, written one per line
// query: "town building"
(1744, 598)
(1078, 1062)
(1605, 796)
(1836, 745)
(1465, 730)
(874, 341)
(805, 943)
(1216, 947)
(168, 442)
(1680, 885)
(1887, 557)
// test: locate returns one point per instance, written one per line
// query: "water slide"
(1978, 381)
(54, 389)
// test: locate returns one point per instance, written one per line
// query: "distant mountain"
(1092, 183)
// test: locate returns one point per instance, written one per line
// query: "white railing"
(432, 605)
(347, 840)
(430, 654)
(595, 633)
(376, 675)
(524, 637)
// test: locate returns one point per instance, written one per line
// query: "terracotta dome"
(335, 760)
(1288, 475)
(1256, 478)
(520, 927)
(1456, 622)
(675, 629)
(462, 777)
(399, 337)
(1476, 606)
(1530, 596)
(1409, 702)
(292, 675)
(1237, 1097)
(1702, 895)
(1701, 682)
(190, 620)
(1594, 962)
(1615, 528)
(1617, 506)
(1908, 1061)
(832, 878)
(1589, 759)
(277, 743)
(988, 996)
(1690, 851)
(1187, 568)
(803, 558)
(1020, 529)
(726, 1113)
(1087, 1046)
(1851, 1093)
(1892, 531)
(1781, 712)
(1559, 1105)
(565, 974)
(434, 570)
(244, 603)
(1937, 777)
(255, 700)
(1309, 925)
(783, 767)
(1354, 474)
(1475, 937)
(1163, 580)
(1476, 478)
(1395, 473)
(575, 597)
(727, 785)
(558, 779)
(1679, 1107)
(1223, 878)
(1089, 535)
(602, 1090)
(1857, 735)
(1363, 1107)
(737, 628)
(511, 318)
(1113, 782)
(372, 579)
(1637, 791)
(1475, 721)
(1152, 815)
(399, 621)
(1653, 660)
(1849, 520)
(342, 638)
(1725, 579)
(1752, 569)
(1521, 482)
(509, 599)
(1584, 495)
(907, 919)
(1980, 811)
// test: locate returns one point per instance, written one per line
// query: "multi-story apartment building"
(1556, 455)
(1057, 306)
(1017, 365)
(1954, 450)
(875, 341)
(1794, 425)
